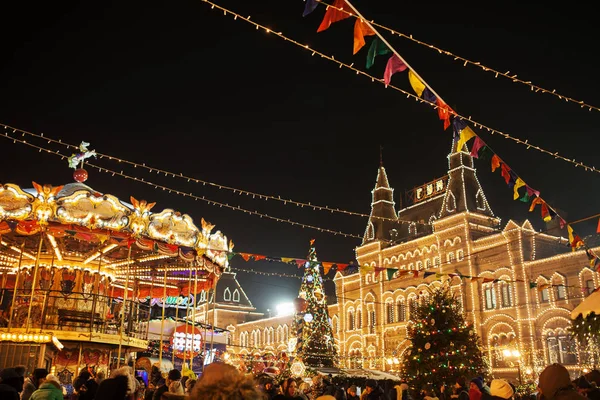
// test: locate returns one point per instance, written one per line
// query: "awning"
(590, 304)
(359, 372)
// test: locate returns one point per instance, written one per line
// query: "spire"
(464, 192)
(383, 212)
(380, 155)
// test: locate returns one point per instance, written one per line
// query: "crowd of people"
(220, 381)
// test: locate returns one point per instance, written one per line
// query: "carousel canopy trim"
(79, 211)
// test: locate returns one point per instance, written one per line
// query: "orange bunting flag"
(246, 256)
(495, 162)
(416, 84)
(326, 267)
(444, 113)
(519, 183)
(258, 257)
(598, 227)
(361, 29)
(465, 135)
(338, 11)
(545, 212)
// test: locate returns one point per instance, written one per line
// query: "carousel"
(81, 272)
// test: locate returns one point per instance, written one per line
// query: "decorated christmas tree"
(443, 345)
(314, 335)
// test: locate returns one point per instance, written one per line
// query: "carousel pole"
(124, 307)
(35, 272)
(95, 300)
(195, 308)
(187, 317)
(45, 302)
(205, 326)
(150, 302)
(14, 299)
(212, 326)
(162, 320)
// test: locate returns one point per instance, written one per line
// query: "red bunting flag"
(245, 256)
(598, 228)
(361, 29)
(444, 113)
(300, 263)
(338, 11)
(393, 65)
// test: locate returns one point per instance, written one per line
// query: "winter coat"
(376, 394)
(113, 388)
(28, 388)
(555, 384)
(48, 391)
(8, 392)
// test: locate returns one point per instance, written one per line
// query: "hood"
(554, 378)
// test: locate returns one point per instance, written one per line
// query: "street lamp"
(516, 355)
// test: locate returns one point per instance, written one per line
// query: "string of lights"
(181, 193)
(351, 67)
(171, 174)
(465, 61)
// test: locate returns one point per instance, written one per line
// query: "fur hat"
(501, 388)
(52, 378)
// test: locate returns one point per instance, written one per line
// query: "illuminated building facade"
(517, 286)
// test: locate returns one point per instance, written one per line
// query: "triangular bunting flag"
(416, 84)
(428, 96)
(258, 257)
(287, 260)
(532, 285)
(309, 7)
(443, 112)
(300, 263)
(428, 273)
(341, 267)
(519, 183)
(393, 65)
(361, 29)
(477, 144)
(465, 135)
(495, 162)
(245, 256)
(336, 12)
(377, 48)
(326, 267)
(391, 272)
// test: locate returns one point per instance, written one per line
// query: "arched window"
(450, 257)
(428, 263)
(285, 334)
(505, 294)
(489, 296)
(351, 319)
(358, 319)
(401, 310)
(236, 295)
(389, 307)
(561, 348)
(460, 255)
(437, 262)
(372, 320)
(279, 334)
(227, 295)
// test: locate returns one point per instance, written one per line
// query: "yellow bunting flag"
(287, 260)
(361, 29)
(465, 135)
(416, 84)
(519, 183)
(366, 268)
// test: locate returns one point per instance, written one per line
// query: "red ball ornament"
(80, 175)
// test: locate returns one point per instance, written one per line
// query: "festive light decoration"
(465, 61)
(443, 346)
(311, 321)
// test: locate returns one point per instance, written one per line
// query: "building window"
(505, 294)
(358, 319)
(389, 312)
(372, 321)
(227, 295)
(236, 296)
(561, 349)
(490, 297)
(437, 262)
(351, 320)
(589, 286)
(401, 311)
(561, 292)
(544, 297)
(460, 255)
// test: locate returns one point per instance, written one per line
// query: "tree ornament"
(432, 321)
(80, 175)
(427, 346)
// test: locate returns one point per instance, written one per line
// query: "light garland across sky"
(171, 174)
(408, 94)
(465, 62)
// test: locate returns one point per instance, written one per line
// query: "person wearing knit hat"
(555, 384)
(501, 388)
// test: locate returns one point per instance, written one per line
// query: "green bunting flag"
(377, 48)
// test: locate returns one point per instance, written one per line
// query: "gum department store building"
(527, 282)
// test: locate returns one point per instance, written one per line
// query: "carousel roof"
(74, 214)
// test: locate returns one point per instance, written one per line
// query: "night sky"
(183, 88)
